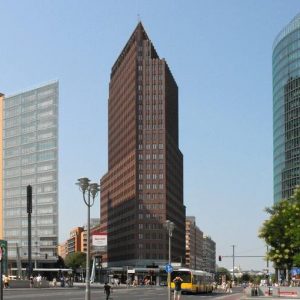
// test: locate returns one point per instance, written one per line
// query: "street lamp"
(170, 227)
(91, 189)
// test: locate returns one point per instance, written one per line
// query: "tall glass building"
(286, 109)
(30, 157)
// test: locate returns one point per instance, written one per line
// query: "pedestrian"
(107, 290)
(6, 280)
(39, 280)
(177, 291)
(54, 282)
(31, 281)
(62, 281)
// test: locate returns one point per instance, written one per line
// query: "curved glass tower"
(286, 110)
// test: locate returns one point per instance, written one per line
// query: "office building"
(144, 183)
(74, 241)
(30, 157)
(209, 255)
(286, 109)
(193, 244)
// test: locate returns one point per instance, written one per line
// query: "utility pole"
(233, 262)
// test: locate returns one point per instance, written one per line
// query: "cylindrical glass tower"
(286, 110)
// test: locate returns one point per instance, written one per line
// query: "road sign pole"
(169, 274)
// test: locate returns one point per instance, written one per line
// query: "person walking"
(6, 281)
(107, 290)
(177, 291)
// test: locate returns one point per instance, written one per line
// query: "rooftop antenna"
(138, 18)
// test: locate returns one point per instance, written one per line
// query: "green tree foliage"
(220, 272)
(282, 232)
(75, 260)
(245, 277)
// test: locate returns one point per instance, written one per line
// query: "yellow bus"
(194, 281)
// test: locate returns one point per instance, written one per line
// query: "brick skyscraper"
(144, 184)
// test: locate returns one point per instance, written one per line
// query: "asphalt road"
(139, 293)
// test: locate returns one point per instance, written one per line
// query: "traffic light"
(29, 199)
(220, 258)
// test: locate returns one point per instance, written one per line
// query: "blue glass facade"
(286, 110)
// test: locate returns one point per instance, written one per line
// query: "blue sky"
(220, 55)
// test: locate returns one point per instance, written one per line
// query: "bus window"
(185, 275)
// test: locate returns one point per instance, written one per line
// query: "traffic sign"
(168, 268)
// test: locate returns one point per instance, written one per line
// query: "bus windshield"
(185, 275)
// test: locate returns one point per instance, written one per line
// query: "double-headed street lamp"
(170, 227)
(91, 189)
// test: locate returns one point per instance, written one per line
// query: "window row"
(150, 196)
(151, 166)
(151, 176)
(31, 169)
(29, 159)
(151, 226)
(148, 156)
(29, 138)
(151, 206)
(25, 149)
(152, 236)
(150, 246)
(153, 146)
(40, 188)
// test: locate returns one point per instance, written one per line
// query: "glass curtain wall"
(30, 157)
(286, 110)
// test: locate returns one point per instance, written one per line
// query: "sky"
(220, 53)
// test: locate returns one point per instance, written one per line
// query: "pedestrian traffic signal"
(220, 258)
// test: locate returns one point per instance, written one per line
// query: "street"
(157, 293)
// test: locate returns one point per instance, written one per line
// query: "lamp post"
(90, 189)
(170, 227)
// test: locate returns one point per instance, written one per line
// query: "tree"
(245, 277)
(60, 263)
(282, 232)
(75, 260)
(222, 272)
